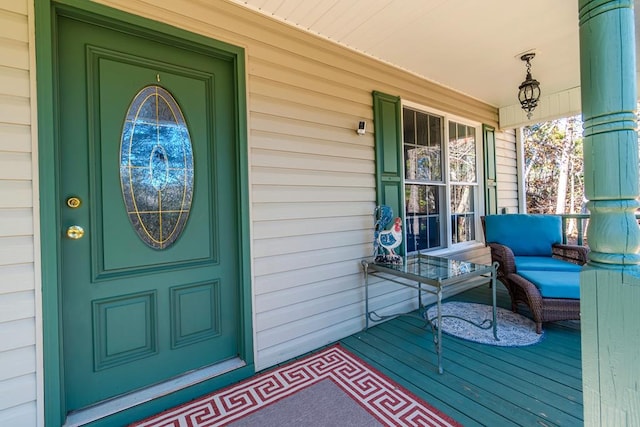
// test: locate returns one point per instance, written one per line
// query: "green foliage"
(554, 166)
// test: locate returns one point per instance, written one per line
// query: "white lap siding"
(17, 278)
(507, 167)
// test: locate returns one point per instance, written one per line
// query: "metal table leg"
(494, 282)
(365, 266)
(439, 339)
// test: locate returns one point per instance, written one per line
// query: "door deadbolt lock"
(73, 202)
(75, 232)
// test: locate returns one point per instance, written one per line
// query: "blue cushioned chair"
(535, 267)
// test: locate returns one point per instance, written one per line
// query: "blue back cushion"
(525, 235)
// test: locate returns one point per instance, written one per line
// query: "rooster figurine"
(389, 240)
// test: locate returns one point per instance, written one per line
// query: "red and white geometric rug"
(384, 400)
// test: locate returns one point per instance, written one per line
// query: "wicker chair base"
(542, 309)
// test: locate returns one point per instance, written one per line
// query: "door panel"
(112, 107)
(134, 315)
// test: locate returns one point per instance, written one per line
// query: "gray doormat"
(308, 408)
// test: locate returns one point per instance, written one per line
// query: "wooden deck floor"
(482, 385)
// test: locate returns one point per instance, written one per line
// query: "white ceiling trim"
(561, 104)
(469, 46)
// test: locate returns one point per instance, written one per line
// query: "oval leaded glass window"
(156, 167)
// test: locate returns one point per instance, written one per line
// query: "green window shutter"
(490, 173)
(387, 116)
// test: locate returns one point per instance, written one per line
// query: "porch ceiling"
(468, 45)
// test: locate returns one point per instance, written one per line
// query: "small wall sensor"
(362, 127)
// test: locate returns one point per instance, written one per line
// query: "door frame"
(46, 14)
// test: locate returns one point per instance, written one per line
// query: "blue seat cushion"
(544, 263)
(525, 235)
(554, 284)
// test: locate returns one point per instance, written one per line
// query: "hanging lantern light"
(529, 90)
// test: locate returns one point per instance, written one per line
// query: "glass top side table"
(429, 274)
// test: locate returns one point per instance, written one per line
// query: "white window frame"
(478, 200)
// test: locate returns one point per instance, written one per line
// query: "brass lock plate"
(73, 202)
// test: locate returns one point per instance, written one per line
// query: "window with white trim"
(440, 180)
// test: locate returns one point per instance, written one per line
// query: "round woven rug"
(514, 330)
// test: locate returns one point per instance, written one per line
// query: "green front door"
(148, 211)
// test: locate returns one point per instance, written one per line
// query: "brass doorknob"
(75, 232)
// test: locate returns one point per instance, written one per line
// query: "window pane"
(423, 226)
(435, 131)
(422, 129)
(408, 120)
(453, 132)
(463, 228)
(423, 232)
(415, 196)
(462, 153)
(410, 162)
(435, 147)
(462, 199)
(422, 199)
(432, 163)
(422, 163)
(416, 163)
(462, 213)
